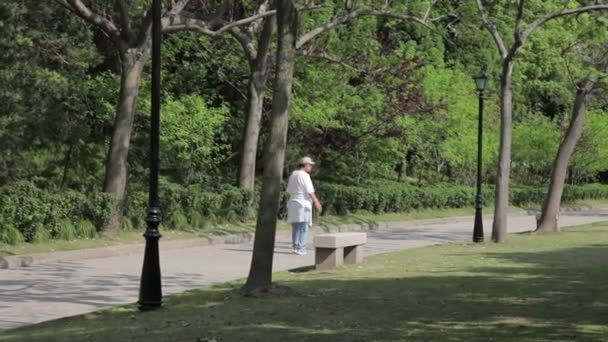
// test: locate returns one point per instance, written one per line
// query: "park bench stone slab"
(333, 250)
(337, 240)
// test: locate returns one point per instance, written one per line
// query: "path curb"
(18, 261)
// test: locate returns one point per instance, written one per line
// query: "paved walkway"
(49, 291)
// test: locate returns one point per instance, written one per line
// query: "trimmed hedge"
(29, 213)
(193, 206)
(391, 197)
(39, 214)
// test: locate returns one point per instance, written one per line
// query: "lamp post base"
(150, 287)
(478, 228)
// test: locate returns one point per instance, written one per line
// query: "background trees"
(381, 94)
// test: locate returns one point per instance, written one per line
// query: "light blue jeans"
(299, 235)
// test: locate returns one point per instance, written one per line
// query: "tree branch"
(520, 18)
(254, 27)
(539, 22)
(176, 8)
(91, 17)
(305, 38)
(246, 42)
(125, 22)
(428, 11)
(325, 56)
(180, 23)
(493, 30)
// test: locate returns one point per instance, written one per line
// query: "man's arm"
(316, 202)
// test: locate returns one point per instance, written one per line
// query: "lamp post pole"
(480, 81)
(150, 291)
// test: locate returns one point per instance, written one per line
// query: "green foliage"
(194, 206)
(64, 230)
(135, 208)
(388, 197)
(197, 220)
(187, 137)
(41, 233)
(10, 235)
(177, 220)
(85, 229)
(530, 195)
(32, 210)
(591, 155)
(392, 95)
(393, 197)
(536, 139)
(127, 224)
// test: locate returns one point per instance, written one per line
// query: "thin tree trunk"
(66, 164)
(260, 274)
(548, 221)
(255, 105)
(402, 169)
(501, 209)
(115, 181)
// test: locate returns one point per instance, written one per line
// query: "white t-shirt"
(299, 207)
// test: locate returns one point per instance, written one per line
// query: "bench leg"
(326, 258)
(353, 254)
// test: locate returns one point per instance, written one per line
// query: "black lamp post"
(480, 81)
(150, 292)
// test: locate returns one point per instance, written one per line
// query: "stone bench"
(336, 249)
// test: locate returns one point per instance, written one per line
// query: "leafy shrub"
(382, 197)
(41, 233)
(39, 214)
(85, 229)
(177, 220)
(30, 213)
(64, 230)
(135, 208)
(197, 220)
(127, 224)
(11, 235)
(99, 208)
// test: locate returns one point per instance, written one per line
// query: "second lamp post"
(480, 82)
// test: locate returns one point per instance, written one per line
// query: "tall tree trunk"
(255, 105)
(548, 220)
(501, 209)
(115, 182)
(260, 274)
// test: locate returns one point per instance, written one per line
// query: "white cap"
(306, 160)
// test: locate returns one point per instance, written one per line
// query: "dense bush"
(29, 213)
(41, 214)
(399, 197)
(193, 206)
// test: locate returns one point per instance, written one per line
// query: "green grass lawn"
(534, 288)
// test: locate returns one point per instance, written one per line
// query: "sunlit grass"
(534, 288)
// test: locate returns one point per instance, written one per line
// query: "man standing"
(299, 208)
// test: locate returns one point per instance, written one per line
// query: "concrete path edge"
(17, 261)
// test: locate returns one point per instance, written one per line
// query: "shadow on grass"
(557, 295)
(303, 269)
